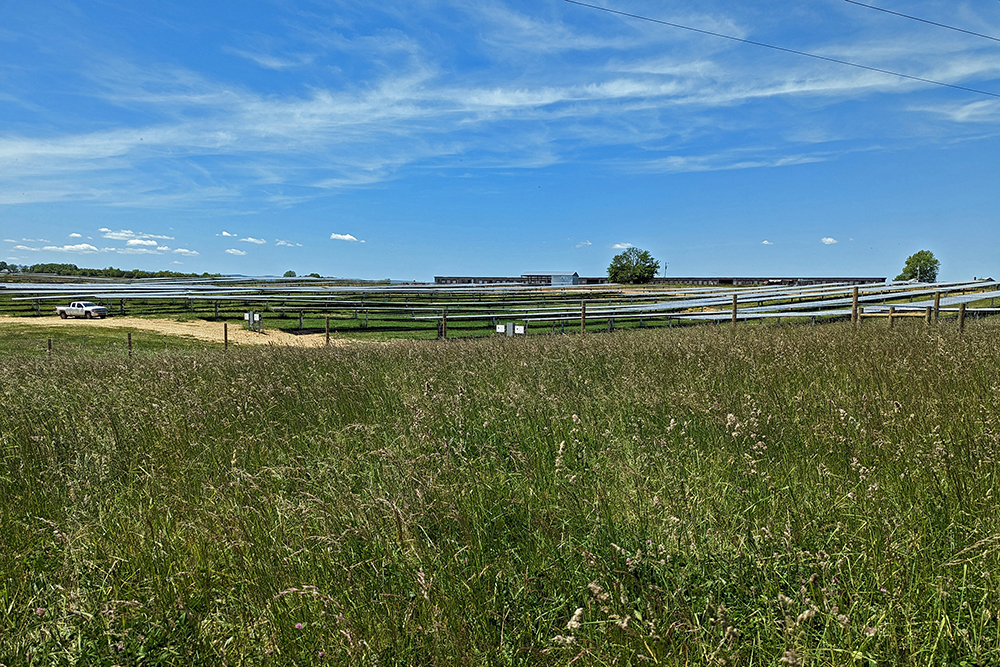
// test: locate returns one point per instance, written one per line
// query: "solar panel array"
(517, 302)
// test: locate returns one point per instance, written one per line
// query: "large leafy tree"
(632, 266)
(921, 266)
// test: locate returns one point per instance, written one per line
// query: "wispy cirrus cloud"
(620, 246)
(271, 61)
(234, 251)
(251, 239)
(598, 87)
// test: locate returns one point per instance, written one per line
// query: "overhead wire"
(917, 18)
(786, 50)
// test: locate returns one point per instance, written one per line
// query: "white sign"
(518, 328)
(256, 317)
(246, 316)
(500, 328)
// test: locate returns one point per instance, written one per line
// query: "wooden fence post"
(892, 316)
(937, 307)
(854, 307)
(327, 329)
(927, 315)
(961, 318)
(130, 344)
(225, 336)
(583, 317)
(734, 310)
(300, 320)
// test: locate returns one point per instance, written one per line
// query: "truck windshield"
(87, 304)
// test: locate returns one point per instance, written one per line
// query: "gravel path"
(200, 329)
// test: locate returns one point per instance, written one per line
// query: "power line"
(916, 18)
(786, 50)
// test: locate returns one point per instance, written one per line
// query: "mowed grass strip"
(710, 495)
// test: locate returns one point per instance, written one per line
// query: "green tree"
(633, 266)
(921, 266)
(289, 274)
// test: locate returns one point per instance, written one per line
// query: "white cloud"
(9, 241)
(225, 233)
(283, 242)
(185, 252)
(234, 251)
(344, 237)
(79, 248)
(766, 242)
(128, 234)
(141, 242)
(74, 235)
(620, 246)
(251, 239)
(826, 240)
(583, 244)
(36, 241)
(176, 262)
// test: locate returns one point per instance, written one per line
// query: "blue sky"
(438, 137)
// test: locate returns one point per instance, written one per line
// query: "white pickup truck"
(85, 309)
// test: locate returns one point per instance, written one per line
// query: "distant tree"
(315, 275)
(289, 274)
(921, 266)
(633, 266)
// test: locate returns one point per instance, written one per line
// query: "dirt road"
(199, 329)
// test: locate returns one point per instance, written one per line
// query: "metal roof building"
(551, 278)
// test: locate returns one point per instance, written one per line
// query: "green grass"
(818, 495)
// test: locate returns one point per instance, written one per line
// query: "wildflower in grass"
(870, 631)
(40, 611)
(791, 658)
(559, 639)
(575, 622)
(598, 592)
(299, 626)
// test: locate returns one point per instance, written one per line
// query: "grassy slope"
(702, 495)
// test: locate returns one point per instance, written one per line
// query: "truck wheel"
(102, 317)
(86, 316)
(62, 315)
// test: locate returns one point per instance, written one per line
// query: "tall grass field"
(755, 495)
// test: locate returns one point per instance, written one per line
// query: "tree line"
(57, 269)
